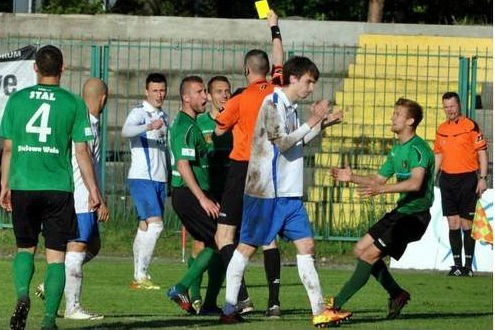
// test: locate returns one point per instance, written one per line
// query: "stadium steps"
(385, 68)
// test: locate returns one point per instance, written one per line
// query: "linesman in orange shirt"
(461, 158)
(240, 116)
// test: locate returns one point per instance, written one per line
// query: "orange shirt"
(459, 142)
(241, 112)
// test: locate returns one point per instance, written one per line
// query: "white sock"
(148, 245)
(73, 280)
(136, 249)
(233, 277)
(309, 277)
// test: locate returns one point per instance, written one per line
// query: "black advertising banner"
(16, 72)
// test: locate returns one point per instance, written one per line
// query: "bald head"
(95, 95)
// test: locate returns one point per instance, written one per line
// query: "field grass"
(438, 301)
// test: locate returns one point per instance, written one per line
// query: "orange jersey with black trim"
(459, 142)
(241, 112)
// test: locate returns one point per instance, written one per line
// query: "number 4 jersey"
(42, 121)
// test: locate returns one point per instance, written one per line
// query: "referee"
(461, 158)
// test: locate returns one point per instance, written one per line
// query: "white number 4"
(43, 130)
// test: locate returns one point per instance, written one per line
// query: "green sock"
(54, 289)
(23, 270)
(197, 268)
(195, 289)
(357, 281)
(216, 275)
(383, 276)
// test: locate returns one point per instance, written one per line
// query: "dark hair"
(450, 95)
(238, 91)
(257, 60)
(187, 81)
(156, 77)
(414, 110)
(299, 66)
(49, 60)
(216, 78)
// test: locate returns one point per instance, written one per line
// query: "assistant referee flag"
(481, 231)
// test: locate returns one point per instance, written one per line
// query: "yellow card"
(262, 8)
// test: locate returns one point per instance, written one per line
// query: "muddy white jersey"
(276, 161)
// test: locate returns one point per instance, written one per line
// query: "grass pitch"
(437, 301)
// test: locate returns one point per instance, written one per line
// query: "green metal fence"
(363, 81)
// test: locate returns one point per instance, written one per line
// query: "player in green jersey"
(191, 200)
(39, 125)
(219, 147)
(412, 162)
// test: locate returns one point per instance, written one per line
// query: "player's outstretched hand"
(321, 108)
(368, 190)
(342, 174)
(319, 111)
(210, 207)
(333, 118)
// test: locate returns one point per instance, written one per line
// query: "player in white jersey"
(87, 245)
(274, 186)
(147, 127)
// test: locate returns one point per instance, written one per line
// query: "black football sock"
(469, 244)
(272, 271)
(455, 239)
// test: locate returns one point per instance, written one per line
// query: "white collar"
(149, 108)
(93, 119)
(283, 97)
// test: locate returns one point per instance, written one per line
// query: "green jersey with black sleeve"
(42, 121)
(401, 160)
(187, 143)
(219, 148)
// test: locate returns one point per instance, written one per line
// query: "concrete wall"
(106, 27)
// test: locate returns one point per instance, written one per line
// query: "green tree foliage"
(439, 11)
(398, 11)
(90, 7)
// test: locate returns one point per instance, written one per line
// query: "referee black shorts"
(231, 206)
(395, 230)
(194, 218)
(459, 194)
(51, 213)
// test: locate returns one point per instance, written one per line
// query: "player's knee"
(143, 225)
(358, 251)
(223, 236)
(270, 246)
(305, 246)
(219, 241)
(155, 228)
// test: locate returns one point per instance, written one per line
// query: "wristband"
(276, 32)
